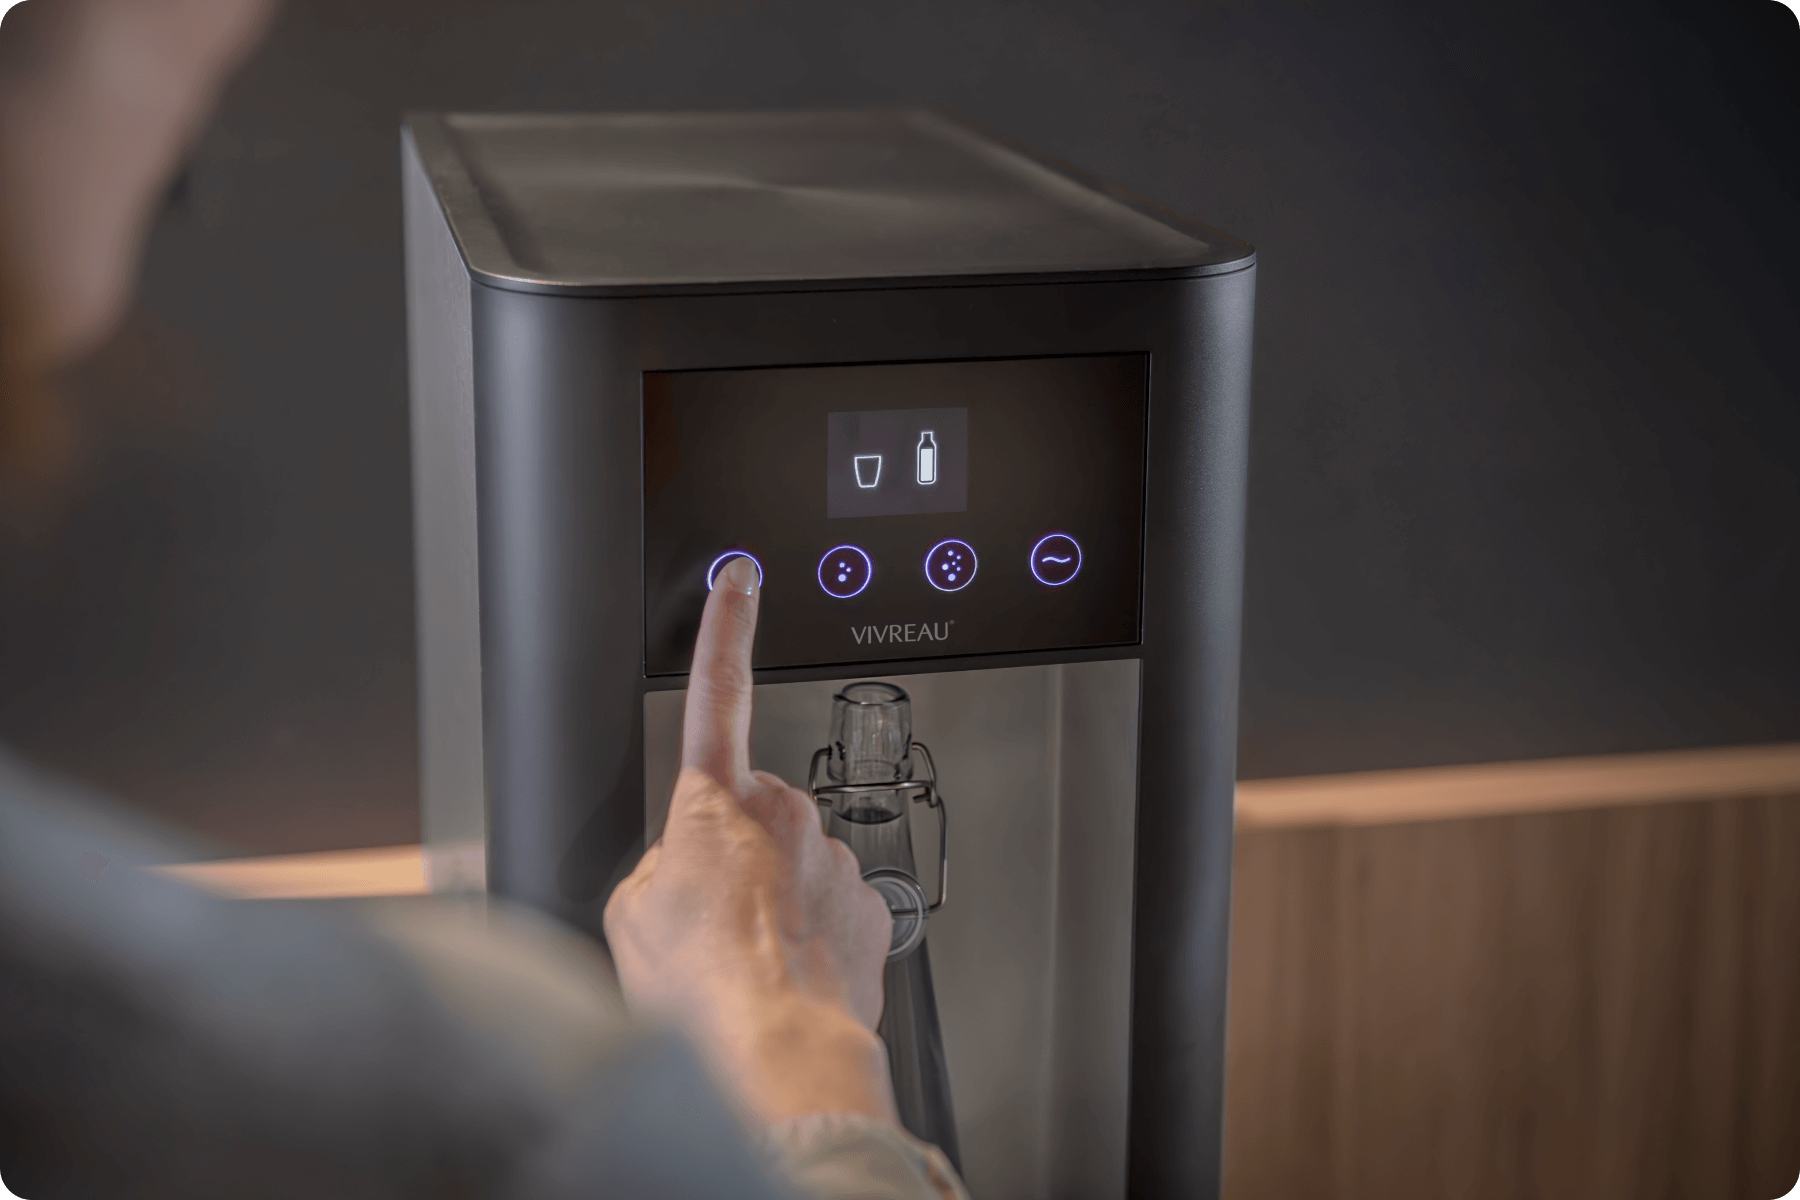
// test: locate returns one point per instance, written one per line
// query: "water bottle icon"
(928, 458)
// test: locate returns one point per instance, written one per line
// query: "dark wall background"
(1528, 396)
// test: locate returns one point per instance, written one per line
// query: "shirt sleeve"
(847, 1156)
(156, 1041)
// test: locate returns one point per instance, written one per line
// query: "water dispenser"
(981, 422)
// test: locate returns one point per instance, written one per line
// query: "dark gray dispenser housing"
(982, 423)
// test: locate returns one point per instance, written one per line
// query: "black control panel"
(899, 511)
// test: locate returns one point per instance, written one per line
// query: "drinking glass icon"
(868, 469)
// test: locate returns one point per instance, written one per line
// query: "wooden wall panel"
(1592, 1004)
(1569, 978)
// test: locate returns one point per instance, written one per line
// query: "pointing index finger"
(716, 727)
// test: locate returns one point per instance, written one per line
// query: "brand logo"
(926, 631)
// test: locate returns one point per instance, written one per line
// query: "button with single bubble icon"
(845, 571)
(950, 565)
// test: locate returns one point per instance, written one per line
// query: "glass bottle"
(871, 744)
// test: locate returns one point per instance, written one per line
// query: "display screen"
(899, 511)
(896, 460)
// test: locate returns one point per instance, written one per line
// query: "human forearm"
(798, 1056)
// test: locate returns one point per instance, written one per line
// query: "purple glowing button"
(845, 571)
(712, 572)
(1055, 559)
(950, 565)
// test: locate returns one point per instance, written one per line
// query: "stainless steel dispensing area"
(981, 423)
(1031, 953)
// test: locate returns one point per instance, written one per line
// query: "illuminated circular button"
(712, 572)
(845, 571)
(1056, 559)
(950, 565)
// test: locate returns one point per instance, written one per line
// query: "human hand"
(745, 924)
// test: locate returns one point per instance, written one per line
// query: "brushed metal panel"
(1032, 954)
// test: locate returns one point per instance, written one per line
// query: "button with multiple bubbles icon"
(845, 571)
(950, 565)
(1055, 559)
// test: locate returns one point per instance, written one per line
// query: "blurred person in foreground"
(158, 1041)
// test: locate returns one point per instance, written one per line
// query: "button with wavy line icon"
(1055, 559)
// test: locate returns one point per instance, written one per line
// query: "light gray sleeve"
(847, 1156)
(157, 1041)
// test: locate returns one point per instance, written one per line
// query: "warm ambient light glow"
(329, 874)
(1364, 798)
(1500, 789)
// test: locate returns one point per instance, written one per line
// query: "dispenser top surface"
(641, 203)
